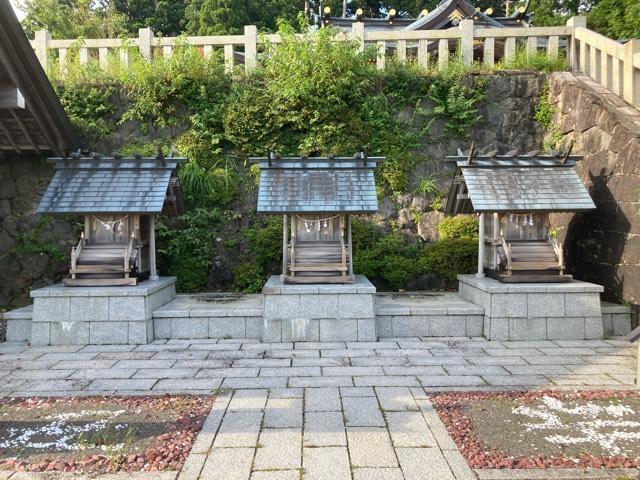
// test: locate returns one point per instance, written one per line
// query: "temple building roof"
(31, 117)
(84, 185)
(317, 184)
(517, 184)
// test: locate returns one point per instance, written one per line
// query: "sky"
(19, 13)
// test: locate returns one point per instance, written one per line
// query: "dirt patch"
(587, 429)
(99, 434)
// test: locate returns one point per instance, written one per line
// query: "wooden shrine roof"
(31, 116)
(108, 185)
(517, 184)
(447, 11)
(317, 184)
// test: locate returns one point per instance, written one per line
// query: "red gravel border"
(479, 456)
(168, 454)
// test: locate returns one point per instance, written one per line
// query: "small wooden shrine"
(514, 195)
(119, 199)
(317, 197)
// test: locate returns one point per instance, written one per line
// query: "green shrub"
(248, 278)
(265, 243)
(458, 227)
(186, 247)
(538, 62)
(449, 257)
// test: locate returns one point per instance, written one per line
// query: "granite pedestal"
(536, 311)
(98, 315)
(319, 312)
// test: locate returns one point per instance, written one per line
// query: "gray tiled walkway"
(356, 411)
(203, 366)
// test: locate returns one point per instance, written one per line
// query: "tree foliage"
(618, 19)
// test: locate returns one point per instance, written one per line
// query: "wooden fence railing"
(614, 65)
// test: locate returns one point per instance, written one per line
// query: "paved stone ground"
(356, 411)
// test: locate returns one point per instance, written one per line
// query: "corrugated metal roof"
(519, 184)
(108, 185)
(317, 185)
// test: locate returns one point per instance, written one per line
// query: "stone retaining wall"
(602, 246)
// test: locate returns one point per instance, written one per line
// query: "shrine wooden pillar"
(152, 248)
(481, 246)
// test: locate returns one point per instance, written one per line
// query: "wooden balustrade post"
(357, 30)
(575, 22)
(41, 46)
(630, 80)
(145, 43)
(466, 41)
(250, 47)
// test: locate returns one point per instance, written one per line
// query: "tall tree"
(619, 19)
(73, 18)
(164, 16)
(219, 17)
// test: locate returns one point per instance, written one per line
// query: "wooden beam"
(7, 134)
(24, 130)
(152, 248)
(11, 97)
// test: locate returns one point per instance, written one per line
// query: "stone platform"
(536, 311)
(98, 315)
(324, 313)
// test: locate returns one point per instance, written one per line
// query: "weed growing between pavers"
(99, 434)
(545, 429)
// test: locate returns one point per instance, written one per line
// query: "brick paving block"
(76, 364)
(122, 384)
(535, 370)
(351, 371)
(279, 449)
(555, 360)
(596, 369)
(377, 474)
(320, 362)
(362, 412)
(251, 383)
(92, 374)
(209, 363)
(290, 372)
(396, 399)
(292, 354)
(566, 351)
(178, 384)
(475, 370)
(530, 344)
(405, 352)
(357, 392)
(389, 381)
(378, 361)
(425, 361)
(350, 353)
(370, 447)
(451, 381)
(324, 429)
(69, 386)
(320, 345)
(239, 429)
(326, 463)
(592, 380)
(282, 413)
(322, 400)
(424, 464)
(495, 360)
(275, 475)
(409, 429)
(286, 392)
(39, 374)
(163, 364)
(125, 355)
(375, 345)
(513, 352)
(516, 380)
(414, 370)
(164, 373)
(306, 382)
(183, 355)
(262, 362)
(581, 343)
(207, 434)
(228, 464)
(248, 400)
(227, 372)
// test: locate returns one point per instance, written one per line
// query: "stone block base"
(19, 324)
(296, 313)
(536, 311)
(98, 315)
(616, 319)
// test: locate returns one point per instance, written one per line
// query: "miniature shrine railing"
(614, 65)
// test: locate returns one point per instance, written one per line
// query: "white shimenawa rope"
(108, 224)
